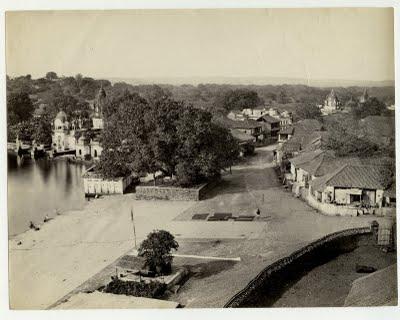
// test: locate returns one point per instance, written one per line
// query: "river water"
(39, 188)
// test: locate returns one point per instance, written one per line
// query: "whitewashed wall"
(99, 186)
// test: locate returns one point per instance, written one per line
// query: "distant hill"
(255, 81)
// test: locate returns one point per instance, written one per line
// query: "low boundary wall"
(174, 193)
(337, 210)
(242, 296)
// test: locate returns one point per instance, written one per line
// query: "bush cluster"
(151, 289)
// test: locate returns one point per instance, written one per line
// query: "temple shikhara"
(331, 104)
(74, 137)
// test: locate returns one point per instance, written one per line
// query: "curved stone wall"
(274, 273)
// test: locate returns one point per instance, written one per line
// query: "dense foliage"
(38, 129)
(163, 135)
(307, 111)
(238, 99)
(41, 130)
(125, 138)
(372, 107)
(388, 175)
(23, 130)
(51, 75)
(156, 250)
(152, 289)
(53, 93)
(347, 138)
(19, 107)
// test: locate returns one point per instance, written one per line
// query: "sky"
(325, 43)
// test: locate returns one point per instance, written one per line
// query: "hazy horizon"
(310, 45)
(236, 81)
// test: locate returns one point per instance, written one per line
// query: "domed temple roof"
(62, 116)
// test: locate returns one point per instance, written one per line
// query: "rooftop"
(307, 141)
(351, 176)
(321, 165)
(232, 124)
(305, 157)
(269, 119)
(379, 125)
(291, 146)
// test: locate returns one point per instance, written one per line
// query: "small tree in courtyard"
(156, 249)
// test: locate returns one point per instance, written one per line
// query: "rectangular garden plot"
(220, 217)
(245, 218)
(200, 216)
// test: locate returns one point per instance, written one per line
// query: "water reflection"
(38, 188)
(68, 178)
(45, 169)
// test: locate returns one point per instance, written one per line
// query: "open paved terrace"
(76, 246)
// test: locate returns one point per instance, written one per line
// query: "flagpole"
(134, 229)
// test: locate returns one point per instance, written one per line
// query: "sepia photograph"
(201, 158)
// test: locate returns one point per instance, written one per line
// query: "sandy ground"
(76, 246)
(71, 248)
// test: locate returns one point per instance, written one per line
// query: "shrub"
(152, 289)
(156, 250)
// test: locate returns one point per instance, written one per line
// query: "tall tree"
(69, 104)
(23, 130)
(42, 130)
(238, 99)
(19, 107)
(162, 119)
(204, 149)
(283, 97)
(307, 111)
(124, 138)
(155, 93)
(51, 75)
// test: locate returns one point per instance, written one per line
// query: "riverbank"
(40, 188)
(69, 249)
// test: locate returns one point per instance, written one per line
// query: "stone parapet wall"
(174, 193)
(269, 272)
